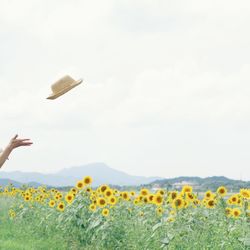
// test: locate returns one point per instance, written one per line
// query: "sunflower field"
(107, 218)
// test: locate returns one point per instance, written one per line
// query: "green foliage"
(127, 227)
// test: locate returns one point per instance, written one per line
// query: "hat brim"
(63, 91)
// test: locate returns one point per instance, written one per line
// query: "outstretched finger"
(26, 143)
(23, 140)
(14, 138)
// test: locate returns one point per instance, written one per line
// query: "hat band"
(56, 89)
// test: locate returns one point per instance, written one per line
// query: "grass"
(19, 236)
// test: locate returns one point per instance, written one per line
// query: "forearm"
(4, 155)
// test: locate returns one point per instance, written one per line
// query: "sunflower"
(28, 193)
(57, 197)
(27, 198)
(132, 193)
(178, 202)
(187, 189)
(171, 219)
(37, 199)
(211, 203)
(145, 200)
(140, 197)
(88, 190)
(92, 197)
(87, 180)
(52, 203)
(69, 198)
(172, 212)
(151, 198)
(105, 212)
(190, 196)
(222, 191)
(101, 202)
(61, 206)
(136, 202)
(234, 199)
(236, 212)
(209, 195)
(228, 211)
(144, 192)
(73, 190)
(103, 188)
(141, 214)
(159, 210)
(161, 192)
(204, 201)
(158, 199)
(112, 200)
(108, 192)
(12, 213)
(173, 195)
(245, 193)
(196, 202)
(125, 196)
(80, 185)
(92, 207)
(186, 203)
(240, 201)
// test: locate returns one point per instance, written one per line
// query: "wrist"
(9, 148)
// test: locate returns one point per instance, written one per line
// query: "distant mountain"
(6, 182)
(100, 172)
(201, 184)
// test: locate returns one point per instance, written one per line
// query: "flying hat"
(62, 86)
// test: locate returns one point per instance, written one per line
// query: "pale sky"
(166, 87)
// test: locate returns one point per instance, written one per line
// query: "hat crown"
(62, 83)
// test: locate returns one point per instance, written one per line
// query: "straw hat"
(62, 86)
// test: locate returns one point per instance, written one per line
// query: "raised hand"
(15, 142)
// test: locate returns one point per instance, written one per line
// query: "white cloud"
(166, 85)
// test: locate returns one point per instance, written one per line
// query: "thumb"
(14, 138)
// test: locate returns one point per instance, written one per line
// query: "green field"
(170, 221)
(21, 236)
